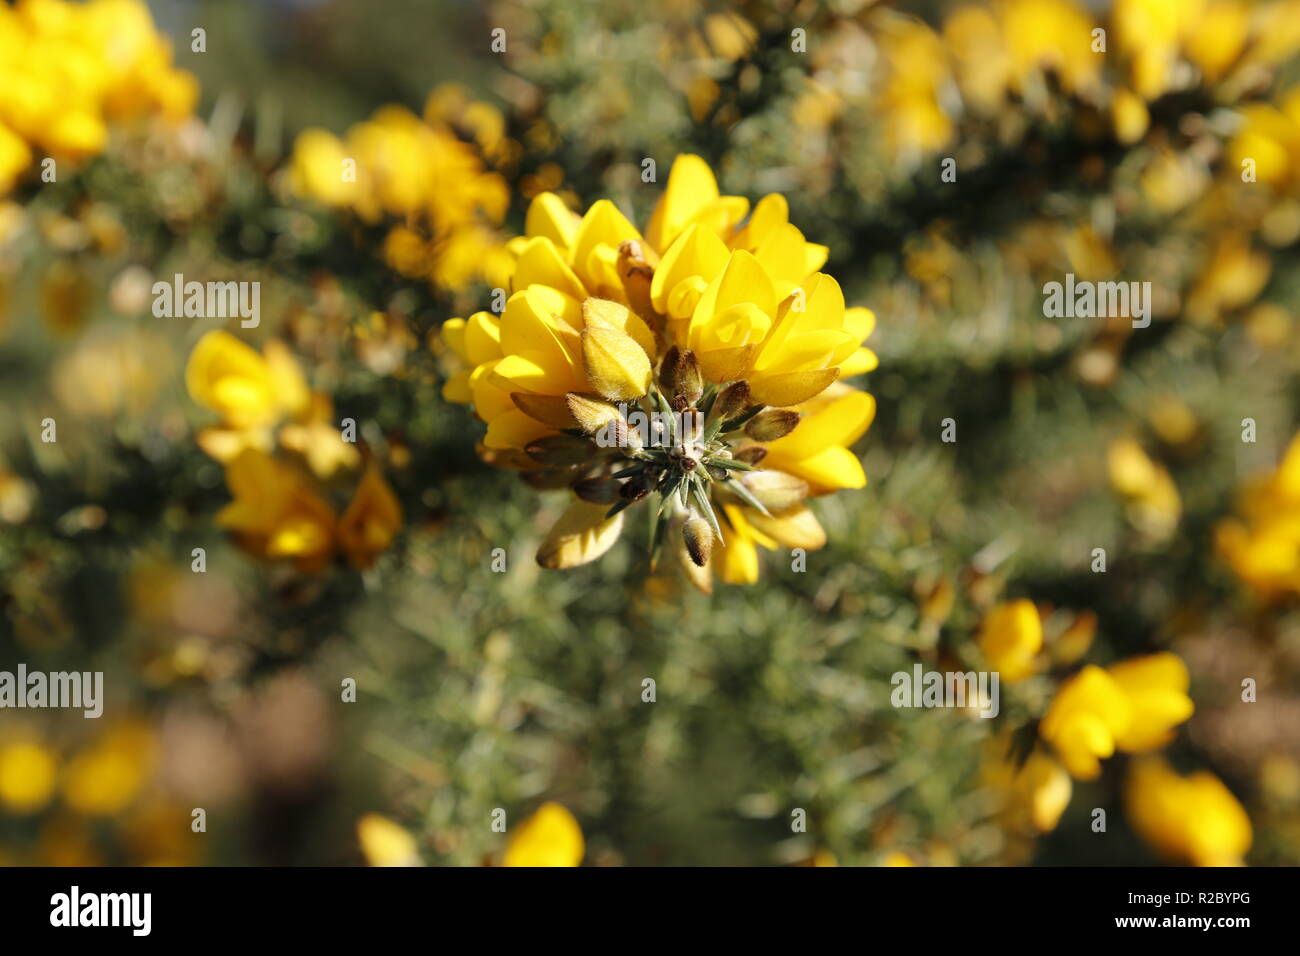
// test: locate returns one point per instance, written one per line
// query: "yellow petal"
(582, 535)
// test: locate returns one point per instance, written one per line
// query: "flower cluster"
(1132, 706)
(280, 509)
(69, 70)
(430, 186)
(96, 801)
(698, 362)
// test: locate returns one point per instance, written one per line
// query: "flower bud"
(776, 491)
(637, 487)
(617, 366)
(598, 491)
(590, 413)
(559, 451)
(772, 424)
(731, 401)
(680, 377)
(698, 537)
(750, 454)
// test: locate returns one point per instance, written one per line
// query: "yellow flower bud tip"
(772, 424)
(591, 414)
(697, 535)
(617, 367)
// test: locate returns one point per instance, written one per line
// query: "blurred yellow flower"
(106, 777)
(1148, 490)
(68, 70)
(385, 843)
(371, 521)
(276, 513)
(28, 772)
(550, 837)
(1262, 546)
(1193, 819)
(1131, 706)
(1011, 637)
(1088, 712)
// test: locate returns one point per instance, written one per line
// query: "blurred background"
(1171, 155)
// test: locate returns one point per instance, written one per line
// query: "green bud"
(772, 424)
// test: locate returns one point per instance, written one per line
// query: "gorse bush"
(772, 433)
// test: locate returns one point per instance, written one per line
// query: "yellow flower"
(1131, 706)
(416, 169)
(105, 778)
(385, 843)
(1263, 545)
(550, 837)
(371, 521)
(275, 513)
(1193, 819)
(246, 389)
(710, 317)
(1088, 712)
(1011, 637)
(1156, 689)
(818, 449)
(28, 772)
(1154, 504)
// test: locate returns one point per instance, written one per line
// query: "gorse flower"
(550, 837)
(1132, 706)
(697, 362)
(1263, 545)
(419, 170)
(280, 510)
(68, 70)
(1193, 819)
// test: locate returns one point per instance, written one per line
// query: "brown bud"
(680, 377)
(776, 491)
(637, 487)
(750, 454)
(559, 451)
(772, 424)
(599, 491)
(732, 401)
(547, 479)
(698, 537)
